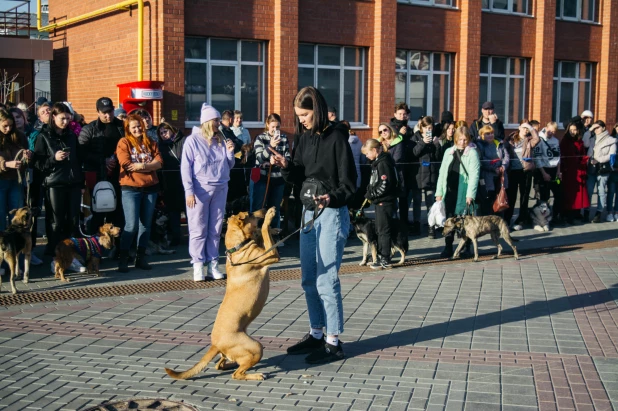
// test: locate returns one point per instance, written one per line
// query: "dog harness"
(87, 247)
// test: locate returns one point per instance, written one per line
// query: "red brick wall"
(427, 28)
(578, 41)
(507, 35)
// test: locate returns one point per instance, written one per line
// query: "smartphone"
(66, 149)
(277, 134)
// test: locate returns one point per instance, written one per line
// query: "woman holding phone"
(56, 157)
(271, 191)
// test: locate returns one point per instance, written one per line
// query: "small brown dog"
(245, 295)
(15, 241)
(86, 250)
(472, 228)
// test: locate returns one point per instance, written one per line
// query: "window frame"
(509, 9)
(429, 3)
(508, 76)
(408, 71)
(578, 17)
(575, 81)
(342, 68)
(237, 64)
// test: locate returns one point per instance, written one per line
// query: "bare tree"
(9, 87)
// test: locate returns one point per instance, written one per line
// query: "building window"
(577, 10)
(572, 89)
(503, 82)
(339, 74)
(423, 81)
(443, 3)
(507, 6)
(229, 74)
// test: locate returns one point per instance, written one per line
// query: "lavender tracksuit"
(205, 173)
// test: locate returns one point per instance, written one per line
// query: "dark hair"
(57, 108)
(401, 106)
(227, 115)
(142, 112)
(577, 125)
(13, 136)
(346, 123)
(19, 111)
(309, 98)
(600, 123)
(426, 121)
(534, 123)
(445, 128)
(614, 133)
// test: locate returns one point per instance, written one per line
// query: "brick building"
(539, 59)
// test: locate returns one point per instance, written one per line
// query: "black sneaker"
(597, 217)
(431, 233)
(327, 353)
(385, 263)
(415, 228)
(376, 265)
(306, 345)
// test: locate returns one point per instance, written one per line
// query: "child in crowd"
(547, 159)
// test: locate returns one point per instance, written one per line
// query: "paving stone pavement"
(540, 333)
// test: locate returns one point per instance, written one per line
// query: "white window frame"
(575, 81)
(509, 9)
(430, 73)
(238, 68)
(429, 3)
(508, 76)
(578, 17)
(342, 68)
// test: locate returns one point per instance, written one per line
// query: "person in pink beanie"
(205, 169)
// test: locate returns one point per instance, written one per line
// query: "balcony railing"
(16, 22)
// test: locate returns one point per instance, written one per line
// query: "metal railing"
(16, 22)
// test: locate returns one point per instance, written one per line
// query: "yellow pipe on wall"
(125, 5)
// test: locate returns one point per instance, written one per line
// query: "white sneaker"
(198, 272)
(616, 217)
(518, 227)
(34, 260)
(610, 218)
(77, 266)
(213, 271)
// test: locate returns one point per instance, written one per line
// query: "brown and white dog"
(86, 250)
(246, 292)
(17, 240)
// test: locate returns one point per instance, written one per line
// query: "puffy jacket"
(478, 124)
(429, 156)
(95, 147)
(600, 148)
(58, 173)
(383, 185)
(493, 156)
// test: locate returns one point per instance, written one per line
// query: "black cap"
(488, 105)
(332, 109)
(105, 104)
(41, 100)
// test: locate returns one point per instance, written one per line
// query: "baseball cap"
(332, 109)
(488, 105)
(587, 113)
(105, 104)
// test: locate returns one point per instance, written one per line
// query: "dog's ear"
(242, 215)
(13, 211)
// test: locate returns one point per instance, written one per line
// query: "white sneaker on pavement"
(34, 260)
(77, 266)
(616, 217)
(518, 227)
(198, 272)
(214, 273)
(610, 218)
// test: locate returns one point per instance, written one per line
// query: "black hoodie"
(327, 157)
(383, 185)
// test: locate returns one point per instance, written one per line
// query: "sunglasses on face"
(382, 131)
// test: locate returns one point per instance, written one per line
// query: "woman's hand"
(229, 144)
(469, 201)
(136, 167)
(60, 155)
(439, 198)
(12, 164)
(322, 201)
(277, 159)
(190, 201)
(274, 142)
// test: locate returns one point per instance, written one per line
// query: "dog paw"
(66, 280)
(270, 214)
(538, 228)
(25, 281)
(362, 263)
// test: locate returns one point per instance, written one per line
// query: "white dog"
(541, 216)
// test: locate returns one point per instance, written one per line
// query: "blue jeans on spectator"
(138, 210)
(612, 190)
(600, 180)
(321, 252)
(273, 198)
(11, 198)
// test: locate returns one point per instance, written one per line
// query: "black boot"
(431, 234)
(140, 259)
(415, 228)
(448, 247)
(586, 218)
(123, 261)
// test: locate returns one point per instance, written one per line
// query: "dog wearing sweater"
(86, 250)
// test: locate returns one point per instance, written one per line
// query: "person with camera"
(324, 165)
(488, 118)
(600, 147)
(56, 156)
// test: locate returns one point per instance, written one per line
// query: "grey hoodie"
(356, 145)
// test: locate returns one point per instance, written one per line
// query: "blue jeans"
(138, 210)
(11, 198)
(321, 252)
(273, 199)
(612, 190)
(601, 182)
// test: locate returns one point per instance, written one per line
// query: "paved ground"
(539, 333)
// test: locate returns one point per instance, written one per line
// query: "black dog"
(366, 231)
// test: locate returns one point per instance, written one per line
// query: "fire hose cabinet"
(140, 94)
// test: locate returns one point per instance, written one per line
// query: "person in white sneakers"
(548, 175)
(207, 158)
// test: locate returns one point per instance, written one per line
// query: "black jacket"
(383, 185)
(57, 173)
(95, 147)
(327, 157)
(478, 124)
(169, 175)
(429, 155)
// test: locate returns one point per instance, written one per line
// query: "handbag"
(528, 165)
(603, 168)
(311, 188)
(502, 202)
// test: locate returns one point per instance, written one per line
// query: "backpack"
(103, 197)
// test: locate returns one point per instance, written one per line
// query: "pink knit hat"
(208, 113)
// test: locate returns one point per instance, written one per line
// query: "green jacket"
(468, 183)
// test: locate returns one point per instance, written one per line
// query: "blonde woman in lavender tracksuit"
(205, 169)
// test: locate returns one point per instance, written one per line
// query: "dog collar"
(237, 247)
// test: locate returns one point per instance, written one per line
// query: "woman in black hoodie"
(322, 159)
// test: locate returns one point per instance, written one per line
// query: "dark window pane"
(483, 91)
(400, 87)
(518, 66)
(353, 57)
(440, 95)
(441, 61)
(328, 84)
(498, 65)
(195, 48)
(498, 96)
(418, 97)
(516, 100)
(588, 10)
(569, 8)
(583, 100)
(223, 84)
(305, 54)
(520, 6)
(554, 111)
(252, 51)
(501, 4)
(484, 64)
(485, 4)
(444, 2)
(305, 77)
(556, 68)
(223, 49)
(329, 56)
(568, 70)
(352, 96)
(401, 59)
(195, 89)
(566, 102)
(251, 92)
(585, 70)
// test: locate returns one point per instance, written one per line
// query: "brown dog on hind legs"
(245, 295)
(17, 240)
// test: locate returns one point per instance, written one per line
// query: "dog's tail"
(197, 368)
